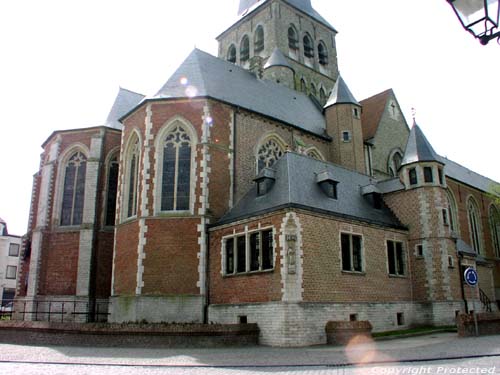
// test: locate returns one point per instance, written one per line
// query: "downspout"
(460, 257)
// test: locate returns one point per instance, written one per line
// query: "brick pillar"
(43, 209)
(89, 216)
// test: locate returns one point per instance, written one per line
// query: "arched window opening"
(322, 54)
(132, 177)
(74, 190)
(495, 229)
(313, 90)
(395, 162)
(452, 209)
(322, 96)
(474, 225)
(259, 39)
(308, 47)
(112, 192)
(269, 152)
(293, 40)
(303, 86)
(231, 54)
(245, 49)
(176, 170)
(315, 154)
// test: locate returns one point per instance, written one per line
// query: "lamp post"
(479, 17)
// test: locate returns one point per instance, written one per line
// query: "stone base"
(157, 309)
(303, 324)
(344, 333)
(487, 324)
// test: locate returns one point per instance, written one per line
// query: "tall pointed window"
(111, 193)
(322, 53)
(313, 90)
(259, 39)
(322, 96)
(231, 54)
(176, 170)
(474, 225)
(495, 229)
(132, 177)
(245, 49)
(293, 40)
(74, 190)
(308, 46)
(452, 209)
(269, 152)
(395, 161)
(303, 86)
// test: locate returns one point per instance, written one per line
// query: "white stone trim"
(125, 174)
(141, 255)
(292, 283)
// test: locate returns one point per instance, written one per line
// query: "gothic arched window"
(314, 153)
(395, 161)
(474, 225)
(303, 86)
(293, 40)
(308, 46)
(495, 229)
(231, 54)
(74, 190)
(322, 96)
(452, 209)
(245, 49)
(112, 183)
(176, 169)
(132, 177)
(313, 90)
(269, 152)
(322, 53)
(259, 39)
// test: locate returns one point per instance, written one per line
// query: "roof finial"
(414, 115)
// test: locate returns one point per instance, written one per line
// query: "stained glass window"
(74, 190)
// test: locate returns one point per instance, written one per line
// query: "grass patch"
(418, 330)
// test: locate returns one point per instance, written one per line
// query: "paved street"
(434, 354)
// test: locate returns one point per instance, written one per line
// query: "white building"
(10, 250)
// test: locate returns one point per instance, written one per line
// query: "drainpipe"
(460, 257)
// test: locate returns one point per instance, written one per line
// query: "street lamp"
(479, 17)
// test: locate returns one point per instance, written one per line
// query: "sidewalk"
(435, 346)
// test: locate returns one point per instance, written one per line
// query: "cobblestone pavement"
(377, 358)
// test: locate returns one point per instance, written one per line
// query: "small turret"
(278, 69)
(421, 166)
(343, 124)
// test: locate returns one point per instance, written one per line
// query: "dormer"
(265, 181)
(327, 183)
(373, 195)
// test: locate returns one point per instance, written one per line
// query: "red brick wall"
(59, 264)
(171, 264)
(324, 280)
(104, 263)
(246, 288)
(125, 264)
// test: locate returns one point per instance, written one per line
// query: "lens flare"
(184, 81)
(191, 91)
(209, 121)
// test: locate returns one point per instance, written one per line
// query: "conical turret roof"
(277, 59)
(418, 148)
(341, 94)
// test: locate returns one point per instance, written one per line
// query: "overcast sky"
(62, 61)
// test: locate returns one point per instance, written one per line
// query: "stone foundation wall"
(303, 324)
(488, 324)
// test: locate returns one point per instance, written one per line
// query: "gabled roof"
(305, 6)
(341, 94)
(203, 75)
(124, 102)
(296, 186)
(277, 59)
(373, 109)
(2, 221)
(418, 148)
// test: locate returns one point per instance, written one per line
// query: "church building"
(254, 187)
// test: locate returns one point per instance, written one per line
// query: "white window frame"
(10, 267)
(404, 255)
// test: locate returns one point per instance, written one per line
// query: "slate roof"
(203, 75)
(277, 59)
(125, 101)
(418, 148)
(2, 221)
(303, 5)
(460, 173)
(296, 186)
(373, 109)
(341, 94)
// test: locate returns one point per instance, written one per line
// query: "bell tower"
(296, 30)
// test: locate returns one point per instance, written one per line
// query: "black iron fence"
(79, 311)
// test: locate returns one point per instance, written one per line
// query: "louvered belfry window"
(74, 190)
(176, 177)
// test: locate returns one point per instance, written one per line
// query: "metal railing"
(485, 300)
(83, 311)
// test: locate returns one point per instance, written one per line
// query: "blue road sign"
(470, 276)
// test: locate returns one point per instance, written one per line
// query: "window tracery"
(74, 190)
(474, 225)
(269, 152)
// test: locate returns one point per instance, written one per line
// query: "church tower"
(294, 28)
